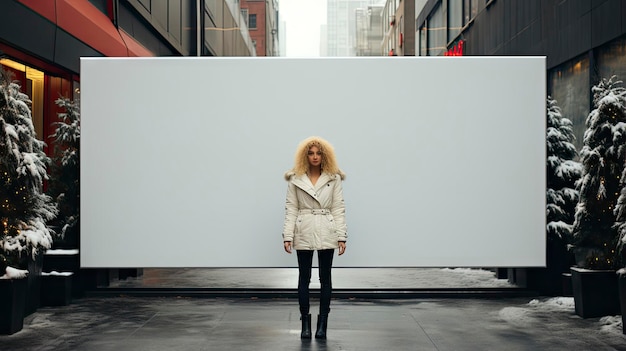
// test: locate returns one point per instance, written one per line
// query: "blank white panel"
(182, 159)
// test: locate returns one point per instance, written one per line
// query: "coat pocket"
(301, 238)
(330, 225)
(298, 227)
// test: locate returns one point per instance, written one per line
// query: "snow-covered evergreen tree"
(562, 173)
(603, 156)
(64, 185)
(620, 208)
(24, 208)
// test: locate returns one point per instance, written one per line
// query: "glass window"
(401, 32)
(244, 14)
(455, 18)
(390, 17)
(470, 10)
(31, 81)
(611, 60)
(212, 37)
(252, 21)
(423, 47)
(436, 36)
(570, 88)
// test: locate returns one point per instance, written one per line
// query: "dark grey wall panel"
(188, 25)
(31, 33)
(572, 40)
(101, 5)
(68, 51)
(606, 22)
(558, 29)
(496, 19)
(141, 31)
(24, 29)
(159, 15)
(167, 19)
(175, 12)
(146, 4)
(623, 17)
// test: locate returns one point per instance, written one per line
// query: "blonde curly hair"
(329, 161)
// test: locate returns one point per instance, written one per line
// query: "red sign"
(456, 50)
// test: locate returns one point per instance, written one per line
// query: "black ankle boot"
(322, 324)
(306, 326)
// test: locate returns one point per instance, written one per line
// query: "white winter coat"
(314, 214)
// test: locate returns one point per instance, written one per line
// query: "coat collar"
(303, 182)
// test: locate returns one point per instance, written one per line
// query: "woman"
(315, 221)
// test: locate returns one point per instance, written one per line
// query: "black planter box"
(52, 261)
(502, 273)
(621, 282)
(595, 292)
(545, 280)
(566, 279)
(33, 296)
(56, 290)
(125, 273)
(93, 278)
(68, 260)
(12, 305)
(517, 276)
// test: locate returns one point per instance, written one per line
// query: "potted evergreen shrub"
(24, 207)
(64, 187)
(595, 234)
(561, 198)
(620, 226)
(64, 184)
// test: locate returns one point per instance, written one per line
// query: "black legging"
(305, 261)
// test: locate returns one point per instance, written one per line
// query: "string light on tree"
(602, 202)
(24, 208)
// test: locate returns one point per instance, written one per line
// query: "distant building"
(369, 31)
(282, 38)
(341, 26)
(323, 40)
(261, 18)
(399, 27)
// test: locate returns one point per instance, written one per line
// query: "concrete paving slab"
(170, 323)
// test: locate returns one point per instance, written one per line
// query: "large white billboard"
(182, 159)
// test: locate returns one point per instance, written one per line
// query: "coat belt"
(315, 211)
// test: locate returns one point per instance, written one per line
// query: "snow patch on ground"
(554, 304)
(520, 317)
(561, 312)
(611, 324)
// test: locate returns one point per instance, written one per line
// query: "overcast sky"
(303, 20)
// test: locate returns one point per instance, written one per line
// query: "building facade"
(261, 17)
(369, 31)
(399, 28)
(341, 26)
(41, 42)
(583, 41)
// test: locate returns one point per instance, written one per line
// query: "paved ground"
(131, 323)
(122, 322)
